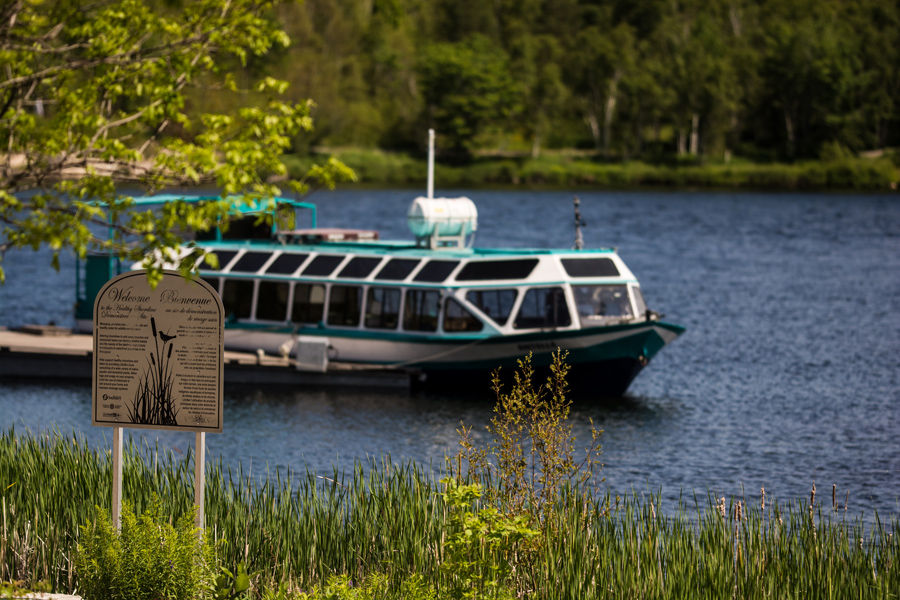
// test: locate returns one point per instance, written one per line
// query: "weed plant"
(149, 558)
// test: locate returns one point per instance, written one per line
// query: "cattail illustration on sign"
(154, 402)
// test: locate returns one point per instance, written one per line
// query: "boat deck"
(48, 352)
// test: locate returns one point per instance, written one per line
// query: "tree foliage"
(96, 95)
(630, 78)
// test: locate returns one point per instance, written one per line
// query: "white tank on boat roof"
(443, 217)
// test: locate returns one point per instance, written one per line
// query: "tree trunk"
(695, 134)
(789, 126)
(681, 145)
(536, 145)
(608, 113)
(595, 128)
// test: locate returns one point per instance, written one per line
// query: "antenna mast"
(430, 164)
(579, 223)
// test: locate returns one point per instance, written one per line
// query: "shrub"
(148, 559)
(532, 457)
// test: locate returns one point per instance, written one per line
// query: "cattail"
(721, 505)
(812, 495)
(738, 512)
(652, 512)
(153, 325)
(762, 498)
(168, 356)
(152, 360)
(833, 496)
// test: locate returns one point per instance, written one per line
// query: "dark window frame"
(296, 258)
(487, 270)
(359, 267)
(309, 306)
(390, 270)
(467, 317)
(286, 286)
(250, 259)
(436, 271)
(591, 266)
(413, 321)
(373, 321)
(537, 322)
(344, 317)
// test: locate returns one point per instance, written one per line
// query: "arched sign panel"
(158, 354)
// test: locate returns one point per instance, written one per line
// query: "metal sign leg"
(200, 480)
(117, 478)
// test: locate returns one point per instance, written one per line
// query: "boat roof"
(239, 203)
(395, 248)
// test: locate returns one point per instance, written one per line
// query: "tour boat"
(450, 312)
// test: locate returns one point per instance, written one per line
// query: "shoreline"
(376, 168)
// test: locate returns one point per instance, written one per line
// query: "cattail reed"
(153, 326)
(762, 498)
(738, 512)
(833, 496)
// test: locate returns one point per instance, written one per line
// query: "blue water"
(788, 375)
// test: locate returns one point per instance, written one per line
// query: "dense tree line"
(767, 79)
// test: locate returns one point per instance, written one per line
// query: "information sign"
(158, 354)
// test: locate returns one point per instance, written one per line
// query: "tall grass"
(390, 520)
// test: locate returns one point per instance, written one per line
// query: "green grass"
(376, 167)
(389, 522)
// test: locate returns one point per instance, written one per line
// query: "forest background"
(597, 91)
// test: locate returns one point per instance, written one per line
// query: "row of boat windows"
(381, 307)
(398, 269)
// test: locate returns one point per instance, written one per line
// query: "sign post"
(158, 364)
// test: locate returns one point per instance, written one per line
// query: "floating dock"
(48, 352)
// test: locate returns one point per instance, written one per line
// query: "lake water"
(788, 375)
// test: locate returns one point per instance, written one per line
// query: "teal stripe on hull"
(644, 344)
(448, 340)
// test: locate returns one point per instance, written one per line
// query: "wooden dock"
(46, 352)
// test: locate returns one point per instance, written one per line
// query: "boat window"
(436, 271)
(483, 270)
(344, 305)
(309, 302)
(213, 281)
(323, 265)
(639, 301)
(590, 267)
(359, 267)
(497, 304)
(224, 257)
(272, 301)
(286, 264)
(598, 303)
(457, 318)
(237, 297)
(421, 310)
(542, 308)
(383, 308)
(251, 262)
(397, 269)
